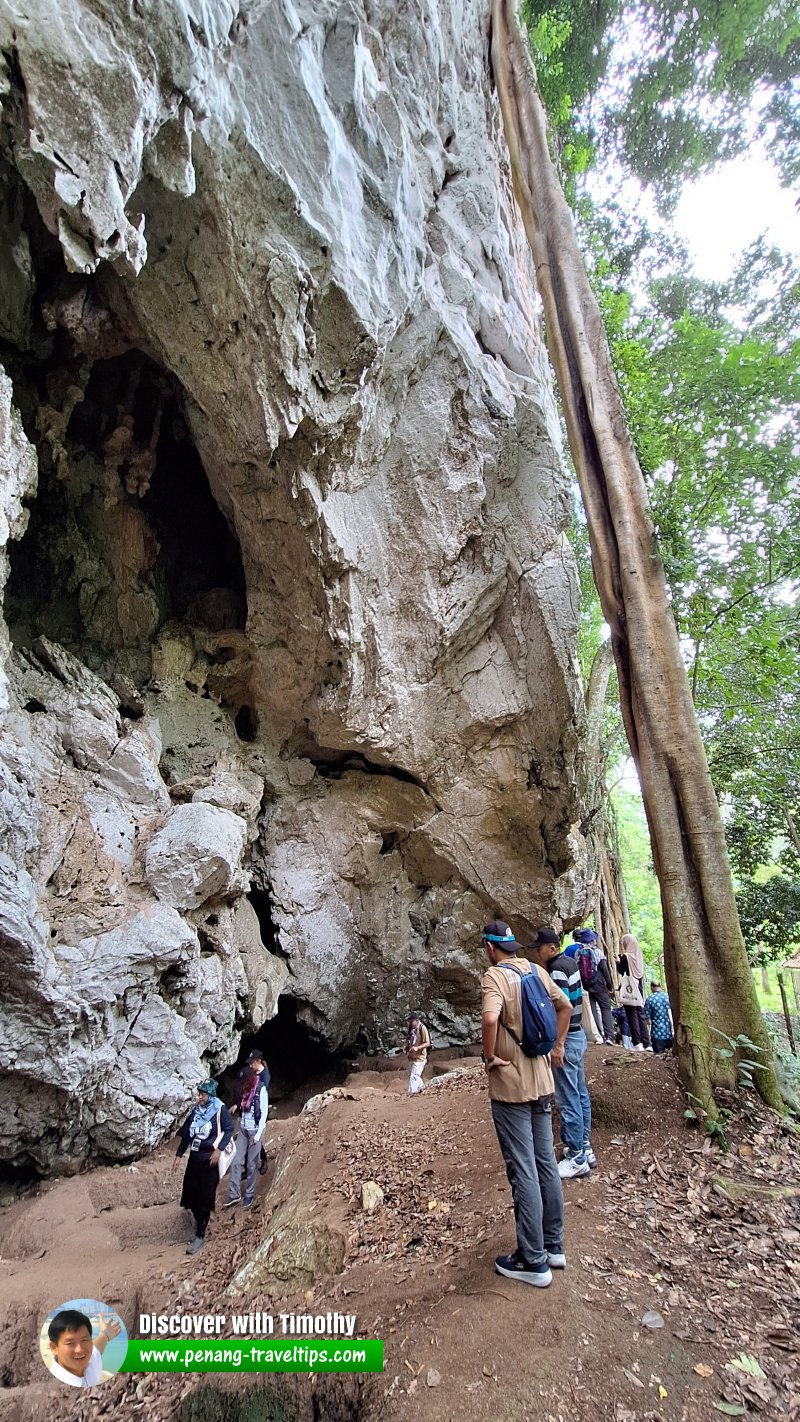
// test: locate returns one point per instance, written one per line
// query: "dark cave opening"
(299, 1061)
(125, 534)
(295, 1053)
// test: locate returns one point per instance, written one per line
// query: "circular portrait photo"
(83, 1342)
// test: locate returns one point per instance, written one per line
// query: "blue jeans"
(572, 1098)
(525, 1133)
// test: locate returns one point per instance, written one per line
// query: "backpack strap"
(220, 1131)
(518, 973)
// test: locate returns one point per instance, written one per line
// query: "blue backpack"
(538, 1014)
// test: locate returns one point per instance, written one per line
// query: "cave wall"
(295, 605)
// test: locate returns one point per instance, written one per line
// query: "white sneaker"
(639, 1047)
(591, 1158)
(573, 1166)
(512, 1267)
(556, 1261)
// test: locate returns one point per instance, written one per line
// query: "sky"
(724, 211)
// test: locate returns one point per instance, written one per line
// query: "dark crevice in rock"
(261, 901)
(332, 765)
(124, 534)
(246, 723)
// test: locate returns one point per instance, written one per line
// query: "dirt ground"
(703, 1245)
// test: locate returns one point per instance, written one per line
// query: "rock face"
(293, 608)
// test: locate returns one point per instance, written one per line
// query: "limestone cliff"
(289, 700)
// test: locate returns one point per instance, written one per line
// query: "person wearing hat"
(521, 1096)
(205, 1133)
(253, 1112)
(418, 1041)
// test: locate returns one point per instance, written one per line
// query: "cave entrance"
(124, 535)
(300, 1063)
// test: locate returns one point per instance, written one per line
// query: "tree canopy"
(667, 89)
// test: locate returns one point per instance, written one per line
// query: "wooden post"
(786, 1012)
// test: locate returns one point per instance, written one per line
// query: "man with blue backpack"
(525, 1018)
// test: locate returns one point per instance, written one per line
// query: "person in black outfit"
(602, 985)
(205, 1133)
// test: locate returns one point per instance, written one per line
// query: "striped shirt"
(566, 974)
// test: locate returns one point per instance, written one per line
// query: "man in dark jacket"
(205, 1133)
(601, 986)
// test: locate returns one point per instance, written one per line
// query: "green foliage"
(714, 1126)
(710, 376)
(644, 897)
(787, 1066)
(711, 379)
(770, 917)
(734, 1050)
(665, 89)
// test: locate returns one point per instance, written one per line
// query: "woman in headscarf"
(631, 965)
(205, 1133)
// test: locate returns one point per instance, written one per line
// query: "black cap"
(547, 935)
(500, 935)
(256, 1056)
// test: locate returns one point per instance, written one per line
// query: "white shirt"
(92, 1375)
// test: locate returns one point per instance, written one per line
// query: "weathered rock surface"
(196, 856)
(270, 327)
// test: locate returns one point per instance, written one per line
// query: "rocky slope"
(289, 699)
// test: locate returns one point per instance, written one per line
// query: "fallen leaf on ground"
(703, 1370)
(746, 1363)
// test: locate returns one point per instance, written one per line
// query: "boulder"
(197, 855)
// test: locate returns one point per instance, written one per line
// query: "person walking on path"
(256, 1062)
(659, 1017)
(572, 1096)
(205, 1133)
(417, 1043)
(521, 1094)
(631, 965)
(253, 1112)
(601, 986)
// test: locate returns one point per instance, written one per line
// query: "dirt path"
(651, 1230)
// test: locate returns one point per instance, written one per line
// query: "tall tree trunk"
(610, 905)
(706, 964)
